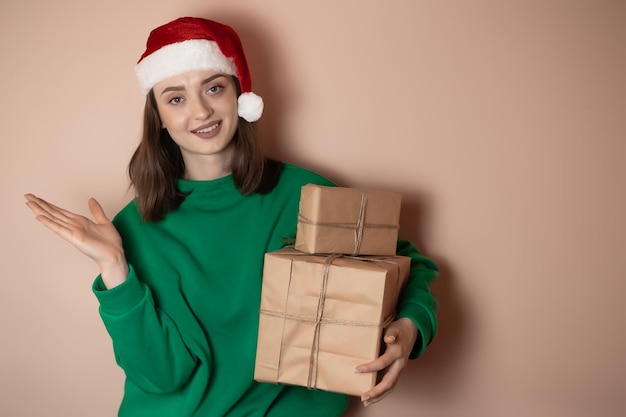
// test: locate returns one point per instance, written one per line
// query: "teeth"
(208, 129)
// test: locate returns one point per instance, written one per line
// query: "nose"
(202, 108)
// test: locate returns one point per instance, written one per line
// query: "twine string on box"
(318, 320)
(315, 348)
(358, 227)
(358, 233)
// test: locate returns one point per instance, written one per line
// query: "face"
(199, 111)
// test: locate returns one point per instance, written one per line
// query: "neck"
(205, 169)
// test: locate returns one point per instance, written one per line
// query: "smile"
(207, 129)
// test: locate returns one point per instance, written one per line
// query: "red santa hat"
(189, 44)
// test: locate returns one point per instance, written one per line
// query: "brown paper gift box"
(321, 316)
(347, 221)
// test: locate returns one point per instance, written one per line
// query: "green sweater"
(184, 324)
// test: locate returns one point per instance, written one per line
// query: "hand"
(98, 240)
(400, 336)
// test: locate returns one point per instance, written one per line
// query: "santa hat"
(189, 44)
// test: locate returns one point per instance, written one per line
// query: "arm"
(146, 341)
(147, 344)
(415, 326)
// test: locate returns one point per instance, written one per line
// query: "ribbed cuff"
(120, 299)
(423, 321)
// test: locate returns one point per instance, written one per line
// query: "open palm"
(98, 238)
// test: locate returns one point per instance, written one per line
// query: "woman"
(181, 265)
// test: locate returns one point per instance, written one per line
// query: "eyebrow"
(181, 88)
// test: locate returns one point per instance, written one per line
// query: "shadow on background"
(430, 378)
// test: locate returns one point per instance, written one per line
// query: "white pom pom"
(250, 107)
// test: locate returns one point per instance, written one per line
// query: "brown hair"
(157, 164)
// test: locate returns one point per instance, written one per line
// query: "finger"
(44, 207)
(386, 384)
(390, 338)
(30, 196)
(382, 389)
(60, 221)
(43, 212)
(392, 333)
(97, 211)
(57, 226)
(35, 207)
(377, 364)
(34, 203)
(33, 199)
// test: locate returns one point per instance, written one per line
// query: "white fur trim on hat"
(182, 57)
(250, 107)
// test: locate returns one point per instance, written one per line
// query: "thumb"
(391, 333)
(96, 210)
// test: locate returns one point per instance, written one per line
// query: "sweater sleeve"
(416, 301)
(147, 344)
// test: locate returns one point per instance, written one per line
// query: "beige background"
(501, 122)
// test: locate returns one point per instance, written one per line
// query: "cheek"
(169, 118)
(162, 115)
(171, 121)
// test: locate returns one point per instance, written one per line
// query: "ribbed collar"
(198, 189)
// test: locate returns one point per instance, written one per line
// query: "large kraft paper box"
(347, 221)
(321, 316)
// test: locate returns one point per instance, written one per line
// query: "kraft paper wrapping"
(321, 316)
(347, 221)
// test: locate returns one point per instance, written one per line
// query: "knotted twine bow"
(358, 226)
(319, 319)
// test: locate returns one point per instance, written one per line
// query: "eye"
(175, 100)
(214, 89)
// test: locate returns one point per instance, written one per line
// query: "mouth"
(207, 129)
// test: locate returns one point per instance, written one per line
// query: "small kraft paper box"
(321, 316)
(348, 221)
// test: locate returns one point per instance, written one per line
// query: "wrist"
(115, 272)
